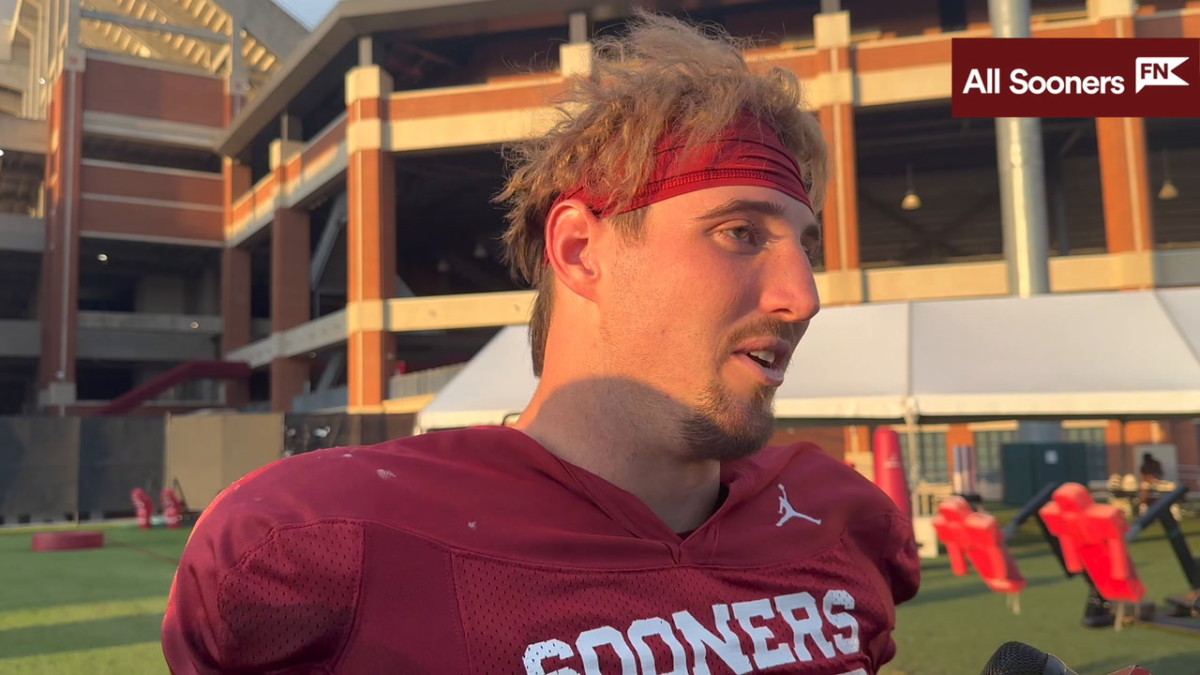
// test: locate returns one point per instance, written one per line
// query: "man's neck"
(593, 431)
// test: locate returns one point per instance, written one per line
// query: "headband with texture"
(748, 152)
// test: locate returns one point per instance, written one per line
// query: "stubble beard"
(724, 429)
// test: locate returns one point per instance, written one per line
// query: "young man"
(632, 522)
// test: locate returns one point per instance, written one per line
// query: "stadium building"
(188, 182)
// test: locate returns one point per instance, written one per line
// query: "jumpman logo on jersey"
(786, 510)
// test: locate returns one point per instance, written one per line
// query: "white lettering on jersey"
(536, 655)
(809, 626)
(846, 644)
(590, 640)
(728, 647)
(643, 628)
(808, 619)
(764, 658)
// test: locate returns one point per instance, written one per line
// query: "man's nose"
(790, 290)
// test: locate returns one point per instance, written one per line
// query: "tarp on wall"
(39, 467)
(116, 455)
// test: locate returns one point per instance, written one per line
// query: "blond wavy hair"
(663, 74)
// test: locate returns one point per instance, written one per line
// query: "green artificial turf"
(99, 611)
(955, 623)
(90, 611)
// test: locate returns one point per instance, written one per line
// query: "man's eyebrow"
(762, 207)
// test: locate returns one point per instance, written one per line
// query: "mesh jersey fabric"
(478, 551)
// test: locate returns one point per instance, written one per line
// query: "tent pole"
(1125, 467)
(914, 471)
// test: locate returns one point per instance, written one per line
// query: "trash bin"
(1027, 467)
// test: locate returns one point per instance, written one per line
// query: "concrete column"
(1022, 175)
(371, 237)
(840, 218)
(237, 78)
(235, 313)
(235, 282)
(290, 304)
(59, 294)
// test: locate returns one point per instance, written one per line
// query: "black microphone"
(1018, 658)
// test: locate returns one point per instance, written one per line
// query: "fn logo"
(1158, 71)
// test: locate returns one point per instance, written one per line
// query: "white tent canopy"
(497, 384)
(1116, 355)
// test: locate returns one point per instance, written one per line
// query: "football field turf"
(955, 623)
(90, 611)
(99, 611)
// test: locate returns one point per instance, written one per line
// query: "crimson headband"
(748, 152)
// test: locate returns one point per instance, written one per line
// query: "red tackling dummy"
(143, 506)
(968, 534)
(172, 508)
(1093, 539)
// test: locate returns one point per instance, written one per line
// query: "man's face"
(707, 305)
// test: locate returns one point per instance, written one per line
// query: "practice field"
(955, 623)
(99, 611)
(91, 611)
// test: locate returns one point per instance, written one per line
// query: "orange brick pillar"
(956, 435)
(371, 237)
(59, 293)
(290, 301)
(1128, 223)
(1121, 441)
(840, 217)
(1186, 437)
(235, 284)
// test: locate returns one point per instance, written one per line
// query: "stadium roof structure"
(190, 36)
(347, 21)
(188, 33)
(1118, 355)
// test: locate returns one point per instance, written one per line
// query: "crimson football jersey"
(479, 551)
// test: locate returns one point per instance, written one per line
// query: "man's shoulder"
(820, 472)
(363, 483)
(848, 503)
(812, 476)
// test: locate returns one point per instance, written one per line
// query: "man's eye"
(746, 234)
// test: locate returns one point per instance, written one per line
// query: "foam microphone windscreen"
(1018, 658)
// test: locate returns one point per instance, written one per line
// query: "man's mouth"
(763, 357)
(767, 358)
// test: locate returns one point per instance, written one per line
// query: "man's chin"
(731, 435)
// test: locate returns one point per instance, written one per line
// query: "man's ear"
(571, 244)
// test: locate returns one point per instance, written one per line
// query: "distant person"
(631, 521)
(1151, 468)
(1150, 472)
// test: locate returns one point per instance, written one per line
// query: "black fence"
(305, 433)
(39, 468)
(83, 468)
